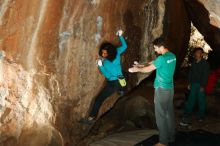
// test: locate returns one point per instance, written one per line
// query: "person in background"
(164, 90)
(198, 77)
(110, 66)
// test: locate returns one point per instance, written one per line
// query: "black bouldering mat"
(193, 138)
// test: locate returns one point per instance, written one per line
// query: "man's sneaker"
(200, 119)
(184, 124)
(185, 121)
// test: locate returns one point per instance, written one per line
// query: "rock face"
(49, 77)
(205, 17)
(177, 29)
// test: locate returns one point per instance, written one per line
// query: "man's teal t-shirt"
(165, 67)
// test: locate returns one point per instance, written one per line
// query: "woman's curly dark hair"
(111, 50)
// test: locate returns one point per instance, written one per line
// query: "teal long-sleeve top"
(111, 70)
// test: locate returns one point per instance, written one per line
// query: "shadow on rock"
(128, 113)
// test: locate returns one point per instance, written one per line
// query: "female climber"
(109, 65)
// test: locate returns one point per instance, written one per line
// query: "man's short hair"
(160, 42)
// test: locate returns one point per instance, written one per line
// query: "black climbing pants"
(110, 88)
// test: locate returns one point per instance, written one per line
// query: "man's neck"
(165, 51)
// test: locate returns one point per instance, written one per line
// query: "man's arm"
(145, 69)
(140, 65)
(157, 63)
(150, 62)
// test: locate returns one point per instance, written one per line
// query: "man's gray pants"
(164, 113)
